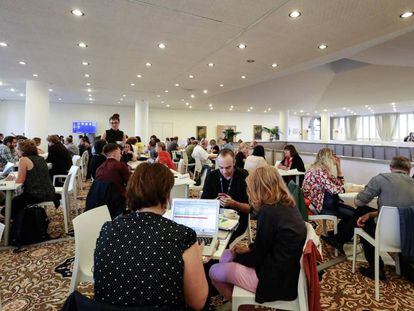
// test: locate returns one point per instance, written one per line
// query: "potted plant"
(229, 134)
(274, 132)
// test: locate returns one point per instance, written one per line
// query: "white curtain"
(386, 125)
(351, 128)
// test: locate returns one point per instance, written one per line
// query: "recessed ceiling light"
(162, 102)
(191, 76)
(166, 91)
(90, 99)
(35, 75)
(182, 99)
(221, 85)
(248, 110)
(231, 106)
(205, 91)
(295, 14)
(21, 94)
(325, 110)
(274, 65)
(177, 84)
(77, 12)
(167, 105)
(187, 103)
(89, 90)
(158, 95)
(50, 90)
(121, 99)
(3, 44)
(406, 14)
(334, 113)
(268, 109)
(192, 95)
(148, 64)
(139, 76)
(210, 105)
(132, 84)
(1, 83)
(211, 108)
(211, 64)
(82, 45)
(12, 90)
(22, 63)
(301, 111)
(191, 107)
(162, 45)
(88, 84)
(243, 77)
(393, 104)
(251, 108)
(265, 111)
(87, 75)
(90, 95)
(322, 46)
(123, 95)
(242, 46)
(85, 63)
(60, 98)
(366, 106)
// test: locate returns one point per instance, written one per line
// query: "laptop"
(8, 168)
(202, 217)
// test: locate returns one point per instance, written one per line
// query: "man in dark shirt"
(113, 170)
(228, 184)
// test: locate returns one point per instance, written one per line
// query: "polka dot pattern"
(138, 261)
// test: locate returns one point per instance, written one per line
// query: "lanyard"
(228, 188)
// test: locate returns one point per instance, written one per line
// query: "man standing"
(8, 152)
(228, 184)
(73, 150)
(173, 145)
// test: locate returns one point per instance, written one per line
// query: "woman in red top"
(164, 157)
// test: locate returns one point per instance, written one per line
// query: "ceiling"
(122, 36)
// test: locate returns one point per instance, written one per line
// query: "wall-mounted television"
(82, 127)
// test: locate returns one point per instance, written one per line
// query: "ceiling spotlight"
(90, 95)
(89, 90)
(301, 111)
(211, 108)
(334, 113)
(221, 85)
(148, 64)
(85, 63)
(243, 77)
(192, 95)
(1, 83)
(242, 46)
(343, 108)
(77, 12)
(162, 102)
(118, 102)
(177, 84)
(166, 91)
(139, 76)
(50, 90)
(265, 111)
(251, 108)
(82, 45)
(210, 105)
(167, 105)
(90, 99)
(60, 98)
(205, 91)
(132, 84)
(35, 75)
(248, 110)
(191, 107)
(21, 95)
(121, 99)
(12, 90)
(158, 95)
(22, 63)
(191, 76)
(162, 45)
(87, 75)
(268, 109)
(325, 110)
(406, 14)
(366, 106)
(295, 14)
(393, 104)
(274, 65)
(187, 103)
(231, 106)
(211, 64)
(88, 84)
(322, 46)
(123, 95)
(3, 44)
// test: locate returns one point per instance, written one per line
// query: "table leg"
(7, 217)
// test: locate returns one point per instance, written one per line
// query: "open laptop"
(202, 217)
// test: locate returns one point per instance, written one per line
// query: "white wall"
(184, 122)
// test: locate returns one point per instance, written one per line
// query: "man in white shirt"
(200, 153)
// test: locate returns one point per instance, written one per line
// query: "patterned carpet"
(39, 278)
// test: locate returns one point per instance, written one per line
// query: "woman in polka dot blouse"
(144, 259)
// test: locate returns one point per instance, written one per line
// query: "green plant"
(274, 132)
(229, 134)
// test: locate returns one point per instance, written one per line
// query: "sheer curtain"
(351, 128)
(386, 125)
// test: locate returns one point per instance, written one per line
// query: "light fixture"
(205, 91)
(393, 104)
(192, 95)
(191, 107)
(343, 108)
(265, 111)
(88, 84)
(148, 64)
(166, 91)
(301, 111)
(248, 110)
(325, 110)
(406, 14)
(132, 84)
(35, 75)
(90, 95)
(158, 95)
(191, 76)
(1, 83)
(118, 102)
(243, 77)
(187, 103)
(82, 45)
(366, 106)
(231, 106)
(211, 108)
(334, 113)
(139, 76)
(162, 45)
(182, 99)
(123, 95)
(251, 108)
(85, 63)
(77, 12)
(167, 105)
(162, 102)
(274, 65)
(87, 75)
(210, 105)
(121, 99)
(90, 99)
(89, 90)
(177, 84)
(242, 46)
(21, 94)
(22, 63)
(268, 109)
(60, 98)
(3, 44)
(295, 14)
(50, 90)
(322, 46)
(221, 85)
(211, 64)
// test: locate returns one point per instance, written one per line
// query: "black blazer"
(60, 158)
(276, 252)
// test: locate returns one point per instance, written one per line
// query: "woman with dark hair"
(292, 161)
(145, 259)
(114, 135)
(128, 154)
(256, 159)
(98, 158)
(59, 156)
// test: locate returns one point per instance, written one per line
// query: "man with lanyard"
(228, 184)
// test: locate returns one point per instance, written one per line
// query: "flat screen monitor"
(88, 127)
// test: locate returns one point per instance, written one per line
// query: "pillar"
(325, 127)
(36, 117)
(141, 119)
(284, 125)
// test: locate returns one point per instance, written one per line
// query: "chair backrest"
(87, 227)
(74, 170)
(387, 233)
(174, 155)
(185, 157)
(180, 166)
(203, 177)
(198, 166)
(76, 160)
(85, 158)
(65, 191)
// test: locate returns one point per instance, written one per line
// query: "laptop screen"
(200, 215)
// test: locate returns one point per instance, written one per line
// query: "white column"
(141, 119)
(284, 124)
(325, 127)
(36, 117)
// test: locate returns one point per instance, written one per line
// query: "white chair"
(186, 164)
(387, 239)
(324, 219)
(87, 227)
(181, 167)
(244, 297)
(200, 187)
(247, 233)
(76, 160)
(84, 165)
(74, 173)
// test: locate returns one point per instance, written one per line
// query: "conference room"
(206, 155)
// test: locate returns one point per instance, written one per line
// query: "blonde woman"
(270, 266)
